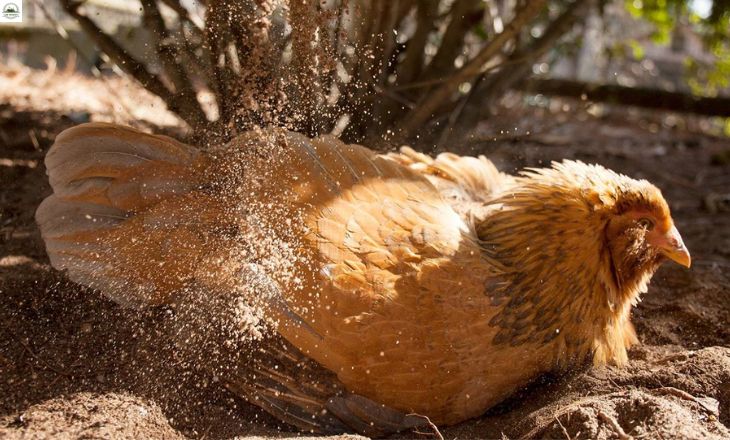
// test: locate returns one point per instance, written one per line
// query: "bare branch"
(184, 91)
(117, 53)
(213, 43)
(183, 13)
(433, 82)
(306, 82)
(368, 18)
(385, 53)
(63, 33)
(412, 64)
(125, 61)
(464, 15)
(519, 65)
(196, 54)
(246, 45)
(521, 61)
(383, 42)
(377, 60)
(421, 114)
(192, 24)
(372, 40)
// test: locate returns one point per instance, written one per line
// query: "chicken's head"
(641, 234)
(579, 244)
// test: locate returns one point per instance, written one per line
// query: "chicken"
(403, 284)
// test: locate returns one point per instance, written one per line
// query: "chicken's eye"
(646, 223)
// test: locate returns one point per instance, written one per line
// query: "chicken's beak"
(672, 246)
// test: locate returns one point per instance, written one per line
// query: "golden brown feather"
(417, 284)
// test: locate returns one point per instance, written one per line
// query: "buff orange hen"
(399, 284)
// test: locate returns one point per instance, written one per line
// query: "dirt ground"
(75, 365)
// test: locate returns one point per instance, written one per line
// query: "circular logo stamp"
(11, 11)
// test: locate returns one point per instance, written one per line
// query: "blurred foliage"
(713, 27)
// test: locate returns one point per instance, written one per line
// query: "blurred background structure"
(36, 38)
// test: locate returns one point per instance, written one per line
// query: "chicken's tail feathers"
(118, 166)
(102, 175)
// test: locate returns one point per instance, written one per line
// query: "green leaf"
(637, 50)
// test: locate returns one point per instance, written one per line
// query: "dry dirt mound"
(92, 415)
(681, 395)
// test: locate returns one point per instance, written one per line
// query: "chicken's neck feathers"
(557, 284)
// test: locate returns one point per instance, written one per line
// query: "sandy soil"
(73, 364)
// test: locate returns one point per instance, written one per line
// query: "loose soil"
(73, 364)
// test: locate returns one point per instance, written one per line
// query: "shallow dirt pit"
(73, 364)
